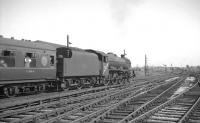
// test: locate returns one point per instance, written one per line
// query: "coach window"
(30, 60)
(9, 53)
(1, 53)
(52, 60)
(2, 62)
(8, 58)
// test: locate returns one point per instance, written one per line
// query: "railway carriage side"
(26, 66)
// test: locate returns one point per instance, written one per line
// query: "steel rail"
(188, 117)
(127, 103)
(93, 115)
(47, 103)
(26, 102)
(48, 113)
(61, 102)
(147, 106)
(88, 116)
(19, 102)
(98, 104)
(164, 106)
(30, 102)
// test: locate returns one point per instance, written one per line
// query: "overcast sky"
(168, 31)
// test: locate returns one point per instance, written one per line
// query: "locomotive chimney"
(123, 55)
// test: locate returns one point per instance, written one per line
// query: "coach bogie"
(15, 89)
(10, 91)
(85, 83)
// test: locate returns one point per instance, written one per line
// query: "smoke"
(121, 9)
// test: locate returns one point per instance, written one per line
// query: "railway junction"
(160, 99)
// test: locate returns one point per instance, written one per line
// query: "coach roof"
(25, 43)
(59, 46)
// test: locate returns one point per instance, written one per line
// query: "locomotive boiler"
(119, 68)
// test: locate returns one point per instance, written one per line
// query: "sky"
(167, 31)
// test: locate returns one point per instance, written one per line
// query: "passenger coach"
(26, 66)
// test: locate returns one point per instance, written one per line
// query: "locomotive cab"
(103, 66)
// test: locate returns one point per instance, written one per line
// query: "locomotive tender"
(27, 66)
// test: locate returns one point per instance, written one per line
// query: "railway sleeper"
(160, 114)
(138, 102)
(157, 121)
(165, 118)
(61, 112)
(171, 111)
(97, 107)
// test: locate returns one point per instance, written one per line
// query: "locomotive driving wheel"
(79, 84)
(106, 82)
(79, 87)
(91, 81)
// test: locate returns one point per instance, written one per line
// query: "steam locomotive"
(27, 66)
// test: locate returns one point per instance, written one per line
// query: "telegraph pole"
(172, 68)
(145, 67)
(165, 67)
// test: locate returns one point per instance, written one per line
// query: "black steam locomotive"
(27, 66)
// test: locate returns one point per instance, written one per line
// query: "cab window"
(100, 57)
(1, 52)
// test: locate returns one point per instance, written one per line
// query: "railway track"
(193, 115)
(33, 100)
(183, 108)
(137, 105)
(40, 111)
(96, 107)
(37, 113)
(17, 103)
(93, 109)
